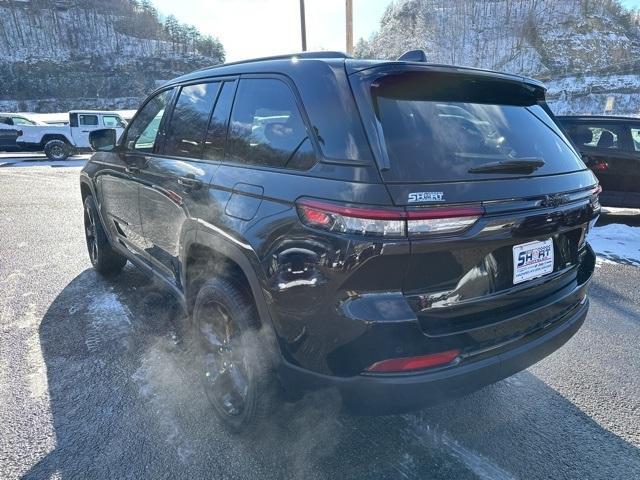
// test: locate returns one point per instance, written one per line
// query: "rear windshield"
(435, 134)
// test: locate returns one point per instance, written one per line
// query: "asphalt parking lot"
(93, 383)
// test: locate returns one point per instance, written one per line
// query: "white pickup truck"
(60, 141)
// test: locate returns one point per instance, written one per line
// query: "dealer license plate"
(532, 260)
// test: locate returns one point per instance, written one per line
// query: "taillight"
(600, 166)
(387, 222)
(355, 220)
(408, 364)
(595, 198)
(442, 219)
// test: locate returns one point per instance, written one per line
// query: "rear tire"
(234, 358)
(103, 257)
(57, 150)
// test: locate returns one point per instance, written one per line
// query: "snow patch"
(616, 243)
(109, 322)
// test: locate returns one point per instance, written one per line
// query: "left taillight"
(353, 220)
(387, 222)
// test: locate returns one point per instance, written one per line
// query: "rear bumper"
(386, 394)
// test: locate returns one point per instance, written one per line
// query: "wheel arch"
(47, 137)
(212, 254)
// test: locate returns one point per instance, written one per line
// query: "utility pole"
(349, 16)
(303, 27)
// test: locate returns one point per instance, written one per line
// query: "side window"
(22, 121)
(266, 126)
(595, 136)
(188, 125)
(89, 120)
(217, 133)
(143, 131)
(112, 121)
(635, 136)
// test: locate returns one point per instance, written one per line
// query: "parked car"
(8, 135)
(610, 146)
(10, 124)
(17, 119)
(60, 141)
(327, 223)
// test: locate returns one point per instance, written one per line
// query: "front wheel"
(57, 150)
(103, 257)
(235, 361)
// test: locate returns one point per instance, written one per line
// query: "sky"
(258, 28)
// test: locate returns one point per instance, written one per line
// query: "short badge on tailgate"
(426, 197)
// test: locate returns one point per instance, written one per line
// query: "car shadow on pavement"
(125, 404)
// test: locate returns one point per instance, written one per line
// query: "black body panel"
(336, 301)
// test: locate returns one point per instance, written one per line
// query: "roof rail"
(320, 54)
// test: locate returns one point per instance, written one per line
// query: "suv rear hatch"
(502, 199)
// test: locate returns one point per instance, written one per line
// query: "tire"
(57, 150)
(234, 358)
(103, 257)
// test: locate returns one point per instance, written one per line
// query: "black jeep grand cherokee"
(399, 231)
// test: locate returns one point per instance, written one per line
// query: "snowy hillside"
(62, 54)
(585, 50)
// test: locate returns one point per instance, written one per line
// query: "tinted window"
(112, 121)
(143, 131)
(89, 120)
(635, 136)
(188, 126)
(596, 136)
(216, 136)
(440, 140)
(266, 126)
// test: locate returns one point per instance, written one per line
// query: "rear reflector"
(409, 364)
(388, 222)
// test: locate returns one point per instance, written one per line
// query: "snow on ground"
(616, 243)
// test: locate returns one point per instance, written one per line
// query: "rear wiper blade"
(521, 165)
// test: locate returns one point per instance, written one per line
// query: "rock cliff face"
(586, 51)
(56, 55)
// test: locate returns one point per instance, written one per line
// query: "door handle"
(190, 182)
(132, 169)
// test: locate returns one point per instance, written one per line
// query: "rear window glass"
(434, 140)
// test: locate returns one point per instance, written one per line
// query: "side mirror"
(103, 140)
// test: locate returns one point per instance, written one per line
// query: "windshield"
(437, 140)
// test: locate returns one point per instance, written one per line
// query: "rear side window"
(430, 138)
(266, 126)
(143, 131)
(22, 121)
(596, 136)
(188, 126)
(89, 120)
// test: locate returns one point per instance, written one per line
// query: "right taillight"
(387, 222)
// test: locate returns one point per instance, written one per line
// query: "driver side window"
(143, 132)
